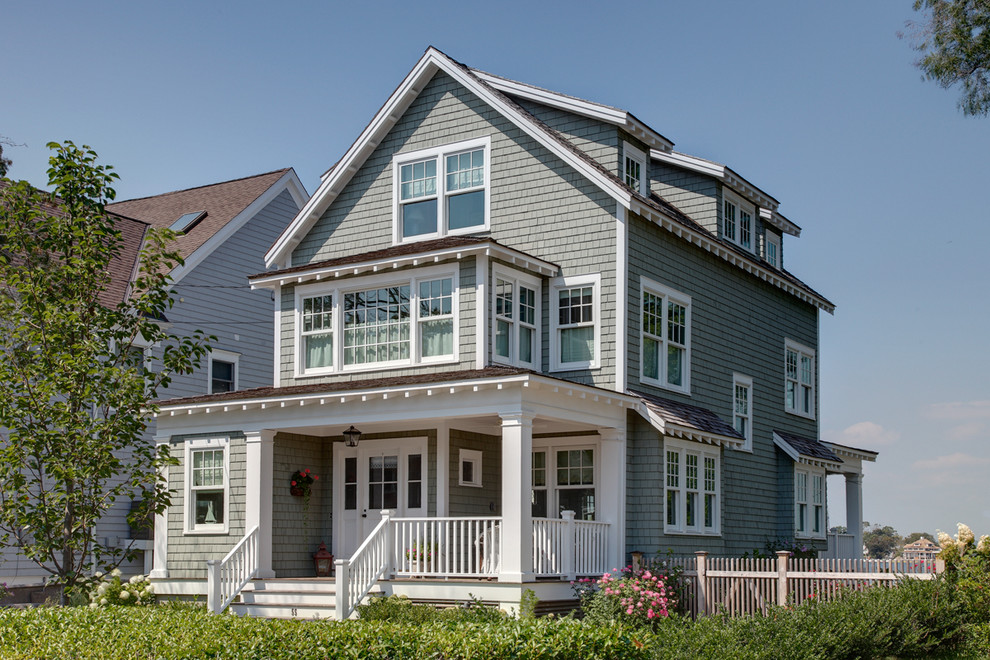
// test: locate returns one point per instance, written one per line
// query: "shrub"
(638, 598)
(104, 590)
(399, 609)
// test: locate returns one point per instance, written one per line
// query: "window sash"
(729, 220)
(799, 381)
(665, 328)
(575, 327)
(691, 495)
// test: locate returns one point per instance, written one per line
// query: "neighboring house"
(224, 229)
(921, 550)
(528, 304)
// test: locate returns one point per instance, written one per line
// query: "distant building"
(922, 550)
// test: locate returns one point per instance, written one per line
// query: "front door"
(376, 475)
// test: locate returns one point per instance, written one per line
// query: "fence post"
(637, 561)
(701, 565)
(213, 585)
(782, 557)
(340, 596)
(568, 545)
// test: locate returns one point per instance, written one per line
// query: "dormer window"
(441, 191)
(771, 249)
(634, 168)
(737, 220)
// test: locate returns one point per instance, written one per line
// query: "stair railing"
(357, 575)
(225, 578)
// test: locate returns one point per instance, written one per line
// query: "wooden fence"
(739, 586)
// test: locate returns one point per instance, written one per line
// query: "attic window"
(187, 221)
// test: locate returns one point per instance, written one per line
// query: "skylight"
(187, 220)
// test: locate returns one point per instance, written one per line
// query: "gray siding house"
(225, 229)
(560, 341)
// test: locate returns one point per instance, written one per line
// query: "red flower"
(306, 470)
(293, 483)
(315, 478)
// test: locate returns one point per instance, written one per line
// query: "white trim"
(221, 355)
(631, 152)
(277, 343)
(646, 285)
(517, 279)
(474, 457)
(160, 556)
(443, 468)
(810, 473)
(739, 380)
(190, 528)
(622, 299)
(405, 278)
(480, 314)
(258, 491)
(441, 195)
(802, 351)
(574, 281)
(390, 113)
(569, 443)
(288, 181)
(702, 451)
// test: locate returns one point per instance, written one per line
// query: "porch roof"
(806, 450)
(687, 421)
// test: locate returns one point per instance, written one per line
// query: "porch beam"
(517, 478)
(259, 494)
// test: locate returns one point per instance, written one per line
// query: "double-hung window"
(692, 486)
(737, 220)
(222, 370)
(809, 503)
(742, 408)
(563, 480)
(799, 379)
(666, 337)
(575, 319)
(395, 323)
(207, 476)
(771, 249)
(441, 191)
(634, 168)
(516, 314)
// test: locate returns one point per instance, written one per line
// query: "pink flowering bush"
(640, 598)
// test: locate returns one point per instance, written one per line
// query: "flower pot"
(296, 491)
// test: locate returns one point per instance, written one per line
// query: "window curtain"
(577, 344)
(437, 338)
(319, 351)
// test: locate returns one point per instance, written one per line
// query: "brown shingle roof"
(808, 447)
(221, 201)
(688, 416)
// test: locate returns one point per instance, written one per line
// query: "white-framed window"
(634, 171)
(771, 249)
(575, 319)
(799, 379)
(742, 408)
(809, 502)
(516, 310)
(469, 467)
(564, 479)
(378, 321)
(665, 337)
(222, 371)
(441, 191)
(738, 225)
(207, 462)
(692, 484)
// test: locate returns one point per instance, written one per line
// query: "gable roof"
(806, 450)
(228, 206)
(489, 89)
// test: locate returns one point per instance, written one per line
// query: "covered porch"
(499, 476)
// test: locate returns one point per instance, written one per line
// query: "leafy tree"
(881, 542)
(915, 536)
(73, 386)
(4, 162)
(954, 40)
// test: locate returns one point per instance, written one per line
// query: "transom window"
(441, 191)
(809, 502)
(691, 480)
(737, 220)
(575, 323)
(566, 477)
(666, 330)
(206, 480)
(516, 319)
(799, 379)
(393, 324)
(742, 408)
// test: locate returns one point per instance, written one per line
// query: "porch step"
(288, 599)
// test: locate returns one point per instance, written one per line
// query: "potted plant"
(301, 484)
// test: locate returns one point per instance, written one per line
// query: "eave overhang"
(670, 423)
(842, 451)
(805, 459)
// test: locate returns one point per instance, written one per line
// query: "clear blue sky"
(817, 103)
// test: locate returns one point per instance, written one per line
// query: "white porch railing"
(226, 578)
(442, 547)
(567, 547)
(357, 575)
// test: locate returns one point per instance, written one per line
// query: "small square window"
(469, 473)
(223, 371)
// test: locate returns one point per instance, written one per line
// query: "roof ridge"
(208, 185)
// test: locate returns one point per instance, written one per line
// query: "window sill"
(691, 533)
(377, 367)
(218, 531)
(686, 391)
(798, 413)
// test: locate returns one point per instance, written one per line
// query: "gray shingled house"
(518, 337)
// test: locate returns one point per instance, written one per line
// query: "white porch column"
(612, 492)
(258, 493)
(160, 557)
(517, 484)
(443, 468)
(854, 510)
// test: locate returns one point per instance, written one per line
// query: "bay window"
(516, 314)
(441, 191)
(799, 379)
(665, 337)
(691, 488)
(575, 316)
